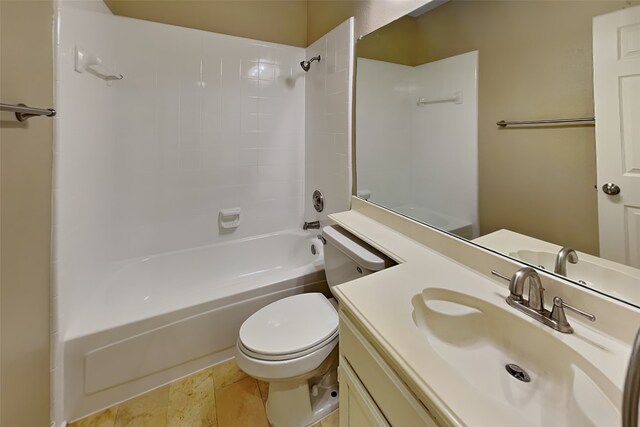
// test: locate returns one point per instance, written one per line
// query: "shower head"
(306, 65)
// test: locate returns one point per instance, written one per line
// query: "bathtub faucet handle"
(312, 224)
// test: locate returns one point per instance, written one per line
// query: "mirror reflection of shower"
(306, 65)
(409, 120)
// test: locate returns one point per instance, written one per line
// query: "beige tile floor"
(220, 396)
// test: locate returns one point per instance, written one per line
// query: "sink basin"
(600, 277)
(477, 339)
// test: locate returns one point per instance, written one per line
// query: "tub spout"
(312, 224)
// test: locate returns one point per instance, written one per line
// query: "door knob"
(611, 189)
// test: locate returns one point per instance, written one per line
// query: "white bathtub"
(159, 318)
(457, 226)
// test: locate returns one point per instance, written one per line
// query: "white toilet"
(293, 343)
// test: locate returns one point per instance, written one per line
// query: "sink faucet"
(534, 306)
(536, 291)
(312, 224)
(564, 255)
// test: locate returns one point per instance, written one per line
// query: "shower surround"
(395, 134)
(200, 122)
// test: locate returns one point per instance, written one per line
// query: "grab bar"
(24, 112)
(456, 99)
(578, 121)
(631, 391)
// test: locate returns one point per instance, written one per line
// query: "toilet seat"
(285, 370)
(290, 356)
(289, 328)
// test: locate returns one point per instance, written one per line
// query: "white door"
(616, 78)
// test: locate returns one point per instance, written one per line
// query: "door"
(616, 78)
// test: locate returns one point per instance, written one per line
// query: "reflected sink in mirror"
(608, 277)
(478, 339)
(607, 280)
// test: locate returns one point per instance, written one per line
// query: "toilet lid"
(290, 325)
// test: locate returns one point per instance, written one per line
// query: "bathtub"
(457, 226)
(159, 318)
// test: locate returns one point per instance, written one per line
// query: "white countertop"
(382, 304)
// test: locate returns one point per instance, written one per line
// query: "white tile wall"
(447, 134)
(385, 102)
(328, 121)
(200, 122)
(82, 168)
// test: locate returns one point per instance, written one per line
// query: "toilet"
(293, 343)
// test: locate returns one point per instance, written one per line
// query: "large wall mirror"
(430, 89)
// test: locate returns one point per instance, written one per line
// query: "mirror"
(430, 89)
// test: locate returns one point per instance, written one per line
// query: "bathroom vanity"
(427, 342)
(476, 333)
(372, 394)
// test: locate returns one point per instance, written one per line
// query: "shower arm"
(306, 65)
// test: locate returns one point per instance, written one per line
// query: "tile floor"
(220, 396)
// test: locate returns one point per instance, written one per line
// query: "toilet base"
(302, 403)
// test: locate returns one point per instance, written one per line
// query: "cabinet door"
(357, 409)
(393, 398)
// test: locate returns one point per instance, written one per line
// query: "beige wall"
(323, 15)
(278, 21)
(394, 43)
(26, 75)
(292, 22)
(535, 62)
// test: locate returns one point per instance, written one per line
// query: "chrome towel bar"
(456, 99)
(24, 112)
(578, 121)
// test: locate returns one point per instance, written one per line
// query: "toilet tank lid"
(354, 248)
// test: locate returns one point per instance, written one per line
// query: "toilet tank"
(347, 258)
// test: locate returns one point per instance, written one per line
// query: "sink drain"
(517, 372)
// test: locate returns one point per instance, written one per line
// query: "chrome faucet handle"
(536, 291)
(558, 316)
(536, 294)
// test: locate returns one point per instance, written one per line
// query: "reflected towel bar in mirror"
(456, 99)
(24, 112)
(578, 121)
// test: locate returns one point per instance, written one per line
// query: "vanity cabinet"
(371, 393)
(357, 408)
